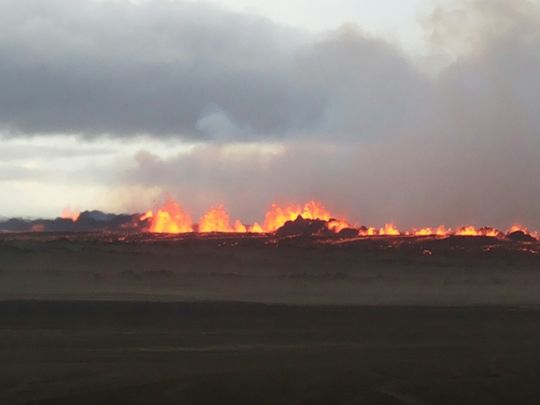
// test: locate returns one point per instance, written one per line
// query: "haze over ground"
(420, 114)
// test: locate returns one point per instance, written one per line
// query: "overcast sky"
(419, 112)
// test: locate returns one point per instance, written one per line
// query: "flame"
(68, 213)
(386, 230)
(277, 215)
(389, 230)
(337, 225)
(518, 228)
(217, 220)
(473, 231)
(439, 231)
(169, 218)
(239, 227)
(467, 231)
(442, 231)
(491, 232)
(424, 232)
(524, 229)
(368, 232)
(147, 215)
(256, 228)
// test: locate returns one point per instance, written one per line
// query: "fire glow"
(171, 218)
(68, 213)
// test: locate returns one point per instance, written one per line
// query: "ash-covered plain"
(301, 269)
(137, 318)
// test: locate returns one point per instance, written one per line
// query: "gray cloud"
(21, 152)
(192, 71)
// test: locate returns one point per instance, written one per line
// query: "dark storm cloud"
(193, 71)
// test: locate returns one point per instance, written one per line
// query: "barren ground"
(112, 319)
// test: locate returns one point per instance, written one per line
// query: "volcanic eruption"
(170, 218)
(311, 217)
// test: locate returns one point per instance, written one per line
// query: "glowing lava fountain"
(171, 218)
(277, 216)
(217, 220)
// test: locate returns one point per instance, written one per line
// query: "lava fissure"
(310, 218)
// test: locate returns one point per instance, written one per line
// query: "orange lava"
(386, 230)
(369, 232)
(337, 225)
(277, 215)
(389, 230)
(256, 228)
(439, 231)
(169, 218)
(473, 231)
(524, 229)
(217, 220)
(518, 228)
